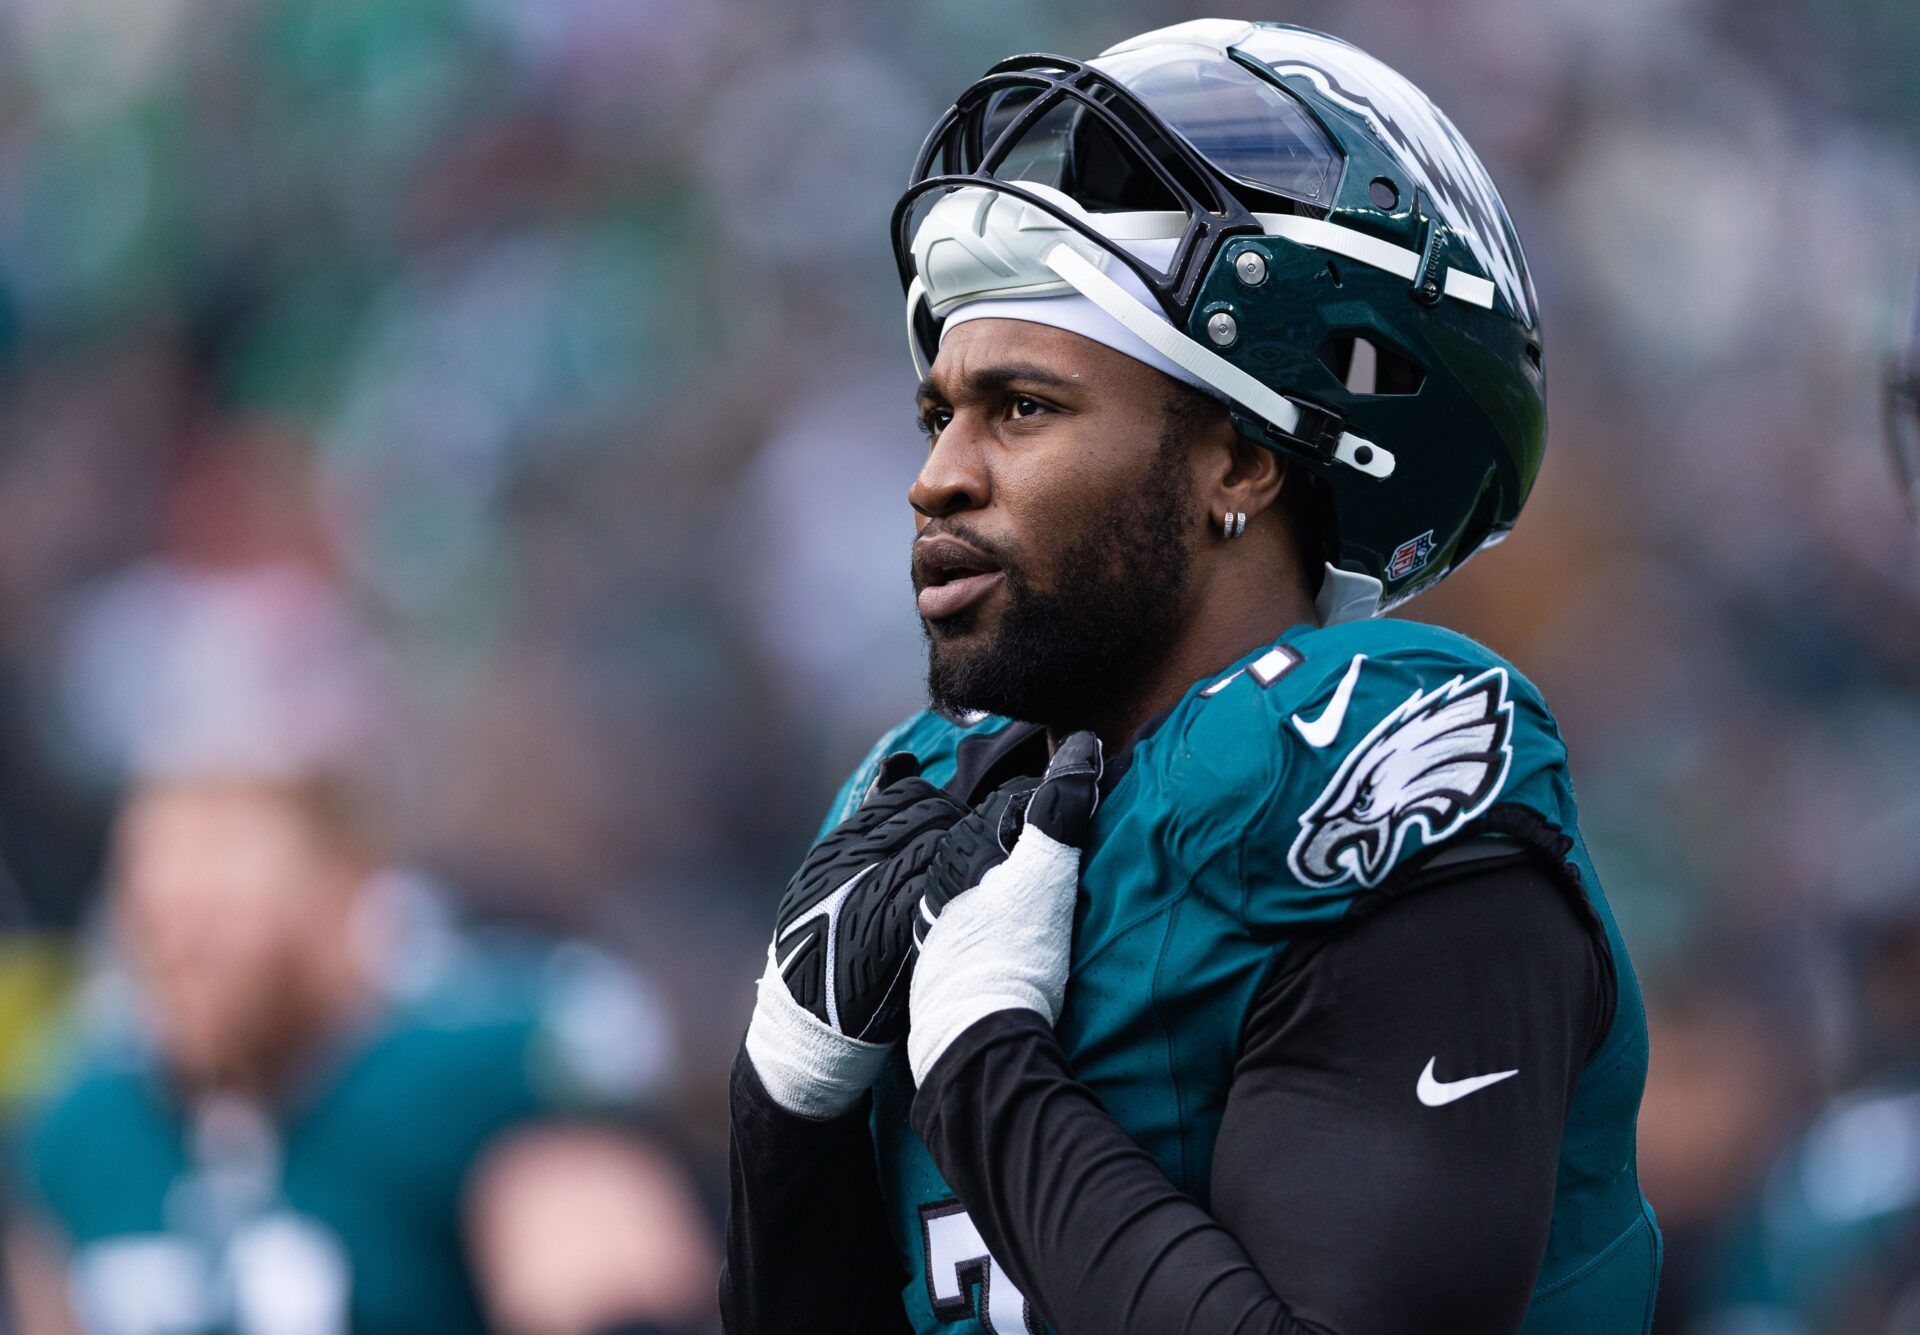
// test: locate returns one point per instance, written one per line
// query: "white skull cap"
(981, 255)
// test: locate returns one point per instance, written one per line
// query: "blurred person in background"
(1828, 1241)
(1903, 407)
(304, 1097)
(333, 1118)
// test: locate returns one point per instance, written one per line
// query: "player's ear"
(1238, 476)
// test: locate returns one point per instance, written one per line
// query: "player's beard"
(1074, 656)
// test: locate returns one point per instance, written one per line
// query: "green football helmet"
(1321, 250)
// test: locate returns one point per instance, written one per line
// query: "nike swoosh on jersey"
(1321, 732)
(1437, 1093)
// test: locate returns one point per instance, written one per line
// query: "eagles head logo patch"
(1437, 762)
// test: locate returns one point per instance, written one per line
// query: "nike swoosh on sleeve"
(1320, 733)
(1437, 1093)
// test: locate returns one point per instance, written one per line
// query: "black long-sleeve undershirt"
(1340, 1202)
(807, 1248)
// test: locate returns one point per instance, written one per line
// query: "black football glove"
(995, 921)
(834, 995)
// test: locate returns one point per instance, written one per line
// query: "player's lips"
(952, 576)
(940, 601)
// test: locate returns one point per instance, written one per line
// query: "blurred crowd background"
(504, 404)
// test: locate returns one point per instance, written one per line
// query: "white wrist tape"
(807, 1067)
(1005, 944)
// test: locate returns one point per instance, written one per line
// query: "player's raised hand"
(995, 922)
(834, 994)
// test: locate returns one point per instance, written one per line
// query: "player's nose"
(953, 479)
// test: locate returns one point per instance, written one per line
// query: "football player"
(329, 1122)
(1251, 970)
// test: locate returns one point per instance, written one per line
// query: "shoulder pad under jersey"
(1324, 761)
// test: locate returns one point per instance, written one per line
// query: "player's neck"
(1238, 610)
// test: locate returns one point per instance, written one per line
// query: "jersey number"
(956, 1260)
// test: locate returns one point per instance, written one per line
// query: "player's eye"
(933, 421)
(1025, 405)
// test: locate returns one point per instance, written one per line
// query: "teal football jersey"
(337, 1211)
(1266, 804)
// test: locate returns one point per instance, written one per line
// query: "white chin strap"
(1151, 328)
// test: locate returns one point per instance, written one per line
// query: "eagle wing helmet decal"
(1437, 761)
(1429, 146)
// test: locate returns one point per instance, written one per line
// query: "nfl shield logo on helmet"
(1411, 555)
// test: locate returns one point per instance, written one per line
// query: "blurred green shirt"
(341, 1209)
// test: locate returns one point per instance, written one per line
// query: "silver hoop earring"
(1234, 523)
